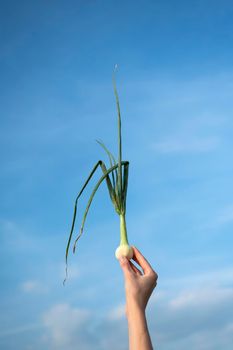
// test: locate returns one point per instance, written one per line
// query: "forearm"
(139, 337)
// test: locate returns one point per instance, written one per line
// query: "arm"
(138, 287)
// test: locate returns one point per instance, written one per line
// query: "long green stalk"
(119, 138)
(123, 230)
(117, 191)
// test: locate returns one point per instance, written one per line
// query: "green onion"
(117, 188)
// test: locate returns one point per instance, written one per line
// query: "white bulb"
(124, 250)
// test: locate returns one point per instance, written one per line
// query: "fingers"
(135, 269)
(125, 265)
(141, 261)
(129, 269)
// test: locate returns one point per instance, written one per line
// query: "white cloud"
(117, 313)
(201, 298)
(34, 287)
(193, 312)
(214, 279)
(191, 317)
(67, 327)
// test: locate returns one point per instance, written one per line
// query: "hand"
(138, 285)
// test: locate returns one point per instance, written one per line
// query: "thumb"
(124, 263)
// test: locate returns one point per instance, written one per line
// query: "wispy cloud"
(117, 313)
(193, 134)
(208, 311)
(34, 287)
(201, 298)
(16, 237)
(66, 327)
(184, 145)
(220, 218)
(21, 329)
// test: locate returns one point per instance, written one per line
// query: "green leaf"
(112, 193)
(91, 198)
(111, 160)
(75, 207)
(125, 185)
(119, 138)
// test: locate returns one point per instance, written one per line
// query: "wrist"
(134, 309)
(139, 337)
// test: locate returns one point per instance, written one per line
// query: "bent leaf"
(91, 198)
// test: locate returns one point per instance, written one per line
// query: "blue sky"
(175, 82)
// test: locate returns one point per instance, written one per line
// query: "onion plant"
(116, 178)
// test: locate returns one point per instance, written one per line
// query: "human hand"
(138, 285)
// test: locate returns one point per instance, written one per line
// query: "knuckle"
(154, 275)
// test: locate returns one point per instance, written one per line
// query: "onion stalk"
(116, 177)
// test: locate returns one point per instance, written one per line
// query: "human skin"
(138, 289)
